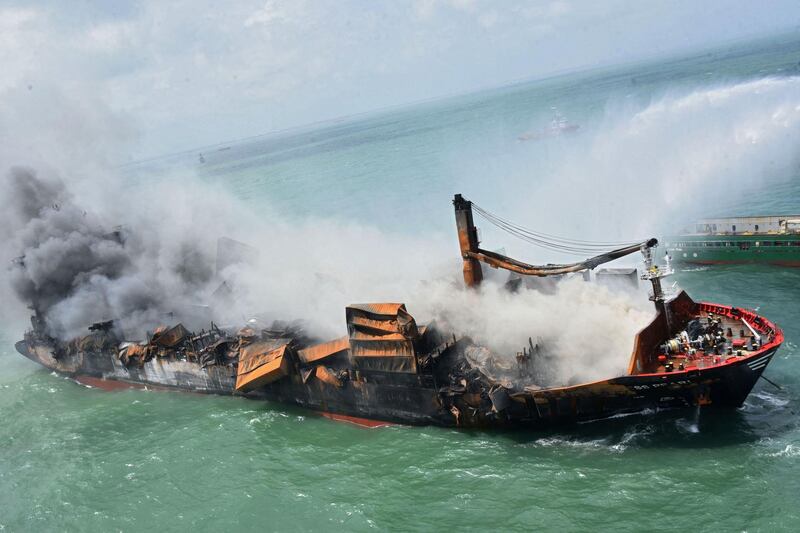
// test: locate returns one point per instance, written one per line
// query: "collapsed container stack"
(382, 337)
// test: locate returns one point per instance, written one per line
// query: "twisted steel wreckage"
(388, 368)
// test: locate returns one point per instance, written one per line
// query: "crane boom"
(473, 255)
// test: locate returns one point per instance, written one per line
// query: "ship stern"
(36, 353)
(22, 348)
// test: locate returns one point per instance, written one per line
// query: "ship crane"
(473, 255)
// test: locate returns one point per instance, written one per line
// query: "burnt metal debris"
(389, 368)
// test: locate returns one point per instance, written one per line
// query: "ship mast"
(653, 273)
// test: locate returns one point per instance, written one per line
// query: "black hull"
(416, 399)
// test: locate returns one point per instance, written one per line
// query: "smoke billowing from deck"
(160, 265)
(588, 329)
(74, 269)
(676, 154)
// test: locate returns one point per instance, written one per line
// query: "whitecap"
(479, 476)
(791, 450)
(771, 399)
(572, 443)
(688, 426)
(629, 437)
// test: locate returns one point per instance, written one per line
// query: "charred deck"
(390, 369)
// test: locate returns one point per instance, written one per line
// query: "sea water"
(76, 458)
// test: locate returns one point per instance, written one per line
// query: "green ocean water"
(74, 458)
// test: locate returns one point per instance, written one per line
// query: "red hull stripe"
(106, 384)
(363, 422)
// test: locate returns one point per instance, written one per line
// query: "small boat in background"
(558, 126)
(772, 240)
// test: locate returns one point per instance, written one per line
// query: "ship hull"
(778, 250)
(416, 400)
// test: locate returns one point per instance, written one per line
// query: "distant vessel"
(736, 240)
(558, 126)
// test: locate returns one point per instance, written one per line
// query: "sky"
(183, 74)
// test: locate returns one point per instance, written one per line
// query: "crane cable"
(545, 240)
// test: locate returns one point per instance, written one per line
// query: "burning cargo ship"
(389, 369)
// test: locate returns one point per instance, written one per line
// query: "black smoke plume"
(73, 268)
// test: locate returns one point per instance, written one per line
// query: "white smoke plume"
(588, 328)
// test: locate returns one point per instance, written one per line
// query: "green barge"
(772, 240)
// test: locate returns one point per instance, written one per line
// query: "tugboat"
(771, 240)
(389, 369)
